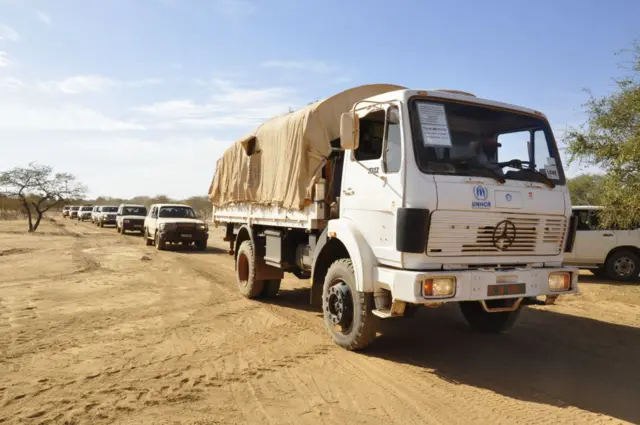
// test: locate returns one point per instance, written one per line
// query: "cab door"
(372, 182)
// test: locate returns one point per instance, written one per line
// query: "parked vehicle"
(106, 215)
(174, 223)
(84, 213)
(65, 211)
(389, 199)
(130, 217)
(608, 252)
(94, 214)
(73, 212)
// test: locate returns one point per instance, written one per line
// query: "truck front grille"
(459, 233)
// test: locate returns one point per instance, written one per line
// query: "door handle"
(348, 191)
(607, 234)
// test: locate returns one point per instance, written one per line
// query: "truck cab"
(426, 198)
(130, 217)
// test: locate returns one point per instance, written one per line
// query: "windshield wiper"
(480, 166)
(518, 164)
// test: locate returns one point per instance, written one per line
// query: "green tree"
(611, 140)
(586, 189)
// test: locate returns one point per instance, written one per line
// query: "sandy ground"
(96, 328)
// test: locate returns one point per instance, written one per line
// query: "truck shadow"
(549, 358)
(584, 278)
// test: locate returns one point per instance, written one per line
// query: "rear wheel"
(271, 288)
(246, 271)
(481, 321)
(623, 266)
(347, 313)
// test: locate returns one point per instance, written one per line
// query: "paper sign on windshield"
(433, 121)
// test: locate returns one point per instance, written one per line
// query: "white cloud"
(43, 17)
(8, 34)
(14, 116)
(79, 84)
(5, 62)
(11, 83)
(309, 65)
(228, 106)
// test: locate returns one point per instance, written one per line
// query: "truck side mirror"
(349, 131)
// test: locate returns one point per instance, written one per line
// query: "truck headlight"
(167, 226)
(439, 287)
(560, 281)
(203, 227)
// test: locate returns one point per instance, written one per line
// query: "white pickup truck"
(607, 252)
(175, 224)
(389, 199)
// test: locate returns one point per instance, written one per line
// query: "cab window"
(392, 143)
(371, 136)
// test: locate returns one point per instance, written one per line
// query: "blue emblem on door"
(481, 193)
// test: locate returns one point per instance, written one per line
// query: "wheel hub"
(339, 305)
(624, 266)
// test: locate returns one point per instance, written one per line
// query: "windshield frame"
(416, 134)
(144, 211)
(184, 207)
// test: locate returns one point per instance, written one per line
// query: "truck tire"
(246, 271)
(481, 321)
(347, 313)
(122, 230)
(623, 266)
(159, 242)
(201, 245)
(147, 241)
(101, 224)
(270, 288)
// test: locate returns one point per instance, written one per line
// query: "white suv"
(612, 253)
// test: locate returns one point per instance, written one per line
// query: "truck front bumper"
(191, 235)
(474, 285)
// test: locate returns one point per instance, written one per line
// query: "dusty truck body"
(388, 199)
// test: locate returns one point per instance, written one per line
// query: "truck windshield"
(177, 212)
(134, 211)
(475, 140)
(109, 209)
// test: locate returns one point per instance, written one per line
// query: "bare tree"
(39, 189)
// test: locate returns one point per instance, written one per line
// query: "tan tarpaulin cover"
(288, 152)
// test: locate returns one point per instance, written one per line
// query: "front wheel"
(623, 266)
(159, 242)
(201, 245)
(348, 314)
(482, 321)
(147, 241)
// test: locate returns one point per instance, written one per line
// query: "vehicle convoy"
(73, 212)
(130, 217)
(389, 199)
(607, 251)
(84, 213)
(106, 215)
(65, 211)
(94, 214)
(174, 223)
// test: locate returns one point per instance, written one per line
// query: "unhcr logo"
(481, 194)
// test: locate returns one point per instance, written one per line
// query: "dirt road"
(97, 328)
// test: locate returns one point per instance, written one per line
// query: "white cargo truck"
(388, 199)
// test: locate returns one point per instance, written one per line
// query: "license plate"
(507, 289)
(137, 225)
(185, 235)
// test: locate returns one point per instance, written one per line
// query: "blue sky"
(141, 97)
